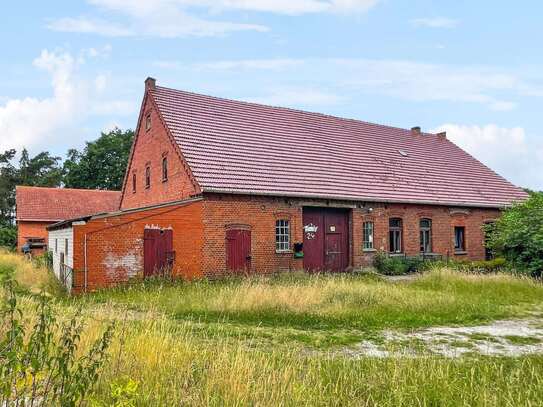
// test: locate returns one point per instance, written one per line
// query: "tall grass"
(27, 273)
(339, 301)
(216, 343)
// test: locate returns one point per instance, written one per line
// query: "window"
(66, 247)
(134, 182)
(164, 169)
(148, 122)
(147, 177)
(56, 245)
(395, 235)
(459, 239)
(426, 236)
(367, 235)
(282, 235)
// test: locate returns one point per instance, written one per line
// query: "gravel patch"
(501, 338)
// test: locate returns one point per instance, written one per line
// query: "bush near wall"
(8, 236)
(518, 235)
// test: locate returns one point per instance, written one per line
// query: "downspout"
(85, 257)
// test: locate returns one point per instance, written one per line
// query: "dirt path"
(500, 338)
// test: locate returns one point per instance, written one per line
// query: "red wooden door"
(326, 239)
(238, 250)
(157, 250)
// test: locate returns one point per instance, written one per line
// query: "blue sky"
(474, 68)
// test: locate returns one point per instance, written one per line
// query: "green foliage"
(40, 366)
(8, 236)
(41, 170)
(397, 265)
(102, 163)
(518, 235)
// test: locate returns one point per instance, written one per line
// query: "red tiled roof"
(247, 148)
(55, 204)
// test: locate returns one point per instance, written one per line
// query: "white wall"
(60, 236)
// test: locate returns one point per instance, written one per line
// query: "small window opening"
(147, 177)
(66, 247)
(459, 239)
(282, 235)
(426, 236)
(134, 181)
(368, 235)
(56, 245)
(148, 122)
(395, 235)
(164, 169)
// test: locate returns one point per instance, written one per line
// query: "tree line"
(99, 165)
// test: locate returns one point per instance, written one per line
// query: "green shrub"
(482, 266)
(397, 265)
(40, 366)
(8, 236)
(518, 235)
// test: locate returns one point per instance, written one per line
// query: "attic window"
(403, 153)
(147, 177)
(148, 122)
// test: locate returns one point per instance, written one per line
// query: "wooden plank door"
(157, 249)
(238, 250)
(336, 241)
(313, 226)
(326, 239)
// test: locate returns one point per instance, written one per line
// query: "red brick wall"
(444, 219)
(31, 229)
(115, 244)
(260, 213)
(149, 149)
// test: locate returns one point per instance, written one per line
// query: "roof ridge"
(290, 109)
(66, 189)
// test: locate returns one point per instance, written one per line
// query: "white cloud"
(234, 65)
(435, 22)
(297, 97)
(417, 81)
(508, 151)
(179, 18)
(46, 122)
(88, 25)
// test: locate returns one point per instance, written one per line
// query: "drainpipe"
(85, 256)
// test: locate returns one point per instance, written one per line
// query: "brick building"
(219, 186)
(38, 207)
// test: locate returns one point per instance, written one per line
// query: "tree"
(102, 163)
(8, 180)
(42, 170)
(518, 235)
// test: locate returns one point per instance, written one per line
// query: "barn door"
(157, 251)
(326, 239)
(238, 250)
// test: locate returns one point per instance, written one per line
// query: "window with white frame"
(282, 235)
(367, 235)
(395, 235)
(426, 235)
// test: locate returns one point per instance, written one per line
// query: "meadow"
(289, 339)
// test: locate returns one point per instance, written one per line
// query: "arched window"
(395, 227)
(164, 169)
(147, 177)
(426, 236)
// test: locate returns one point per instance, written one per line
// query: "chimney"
(150, 83)
(415, 131)
(443, 134)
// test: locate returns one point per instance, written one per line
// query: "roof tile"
(240, 147)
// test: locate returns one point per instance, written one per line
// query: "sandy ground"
(501, 338)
